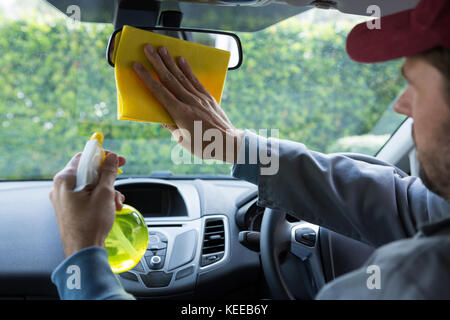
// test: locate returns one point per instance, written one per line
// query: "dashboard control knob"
(155, 262)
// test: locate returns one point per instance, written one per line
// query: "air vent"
(213, 241)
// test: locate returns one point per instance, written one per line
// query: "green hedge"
(56, 89)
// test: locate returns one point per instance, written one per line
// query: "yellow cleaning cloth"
(135, 102)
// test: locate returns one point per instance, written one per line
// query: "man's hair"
(439, 58)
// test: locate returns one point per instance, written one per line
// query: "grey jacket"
(408, 224)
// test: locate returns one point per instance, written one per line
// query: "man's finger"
(164, 96)
(67, 177)
(186, 68)
(167, 78)
(119, 199)
(122, 160)
(178, 74)
(169, 127)
(73, 163)
(108, 171)
(187, 71)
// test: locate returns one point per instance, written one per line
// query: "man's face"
(425, 101)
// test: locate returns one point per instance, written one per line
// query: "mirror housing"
(217, 39)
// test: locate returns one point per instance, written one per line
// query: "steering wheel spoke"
(300, 239)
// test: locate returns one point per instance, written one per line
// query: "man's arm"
(367, 202)
(85, 218)
(87, 275)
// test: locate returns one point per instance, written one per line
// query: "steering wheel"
(278, 236)
(300, 239)
(275, 239)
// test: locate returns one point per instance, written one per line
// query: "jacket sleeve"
(86, 275)
(370, 203)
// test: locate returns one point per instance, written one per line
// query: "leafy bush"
(56, 89)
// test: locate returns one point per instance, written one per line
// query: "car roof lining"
(230, 15)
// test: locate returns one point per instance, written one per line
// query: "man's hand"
(85, 217)
(187, 101)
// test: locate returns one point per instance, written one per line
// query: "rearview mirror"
(217, 39)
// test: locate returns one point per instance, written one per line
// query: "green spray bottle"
(127, 241)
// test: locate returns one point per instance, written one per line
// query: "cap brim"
(395, 39)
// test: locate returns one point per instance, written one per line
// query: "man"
(407, 219)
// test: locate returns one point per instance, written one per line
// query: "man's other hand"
(85, 217)
(188, 103)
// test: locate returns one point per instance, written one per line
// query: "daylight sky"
(20, 9)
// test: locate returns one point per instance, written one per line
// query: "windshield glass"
(56, 89)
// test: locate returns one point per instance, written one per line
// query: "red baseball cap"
(402, 34)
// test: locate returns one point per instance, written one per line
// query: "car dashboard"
(193, 248)
(203, 242)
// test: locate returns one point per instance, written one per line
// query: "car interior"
(208, 237)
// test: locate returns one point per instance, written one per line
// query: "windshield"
(56, 89)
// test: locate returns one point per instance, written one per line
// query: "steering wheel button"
(309, 236)
(306, 236)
